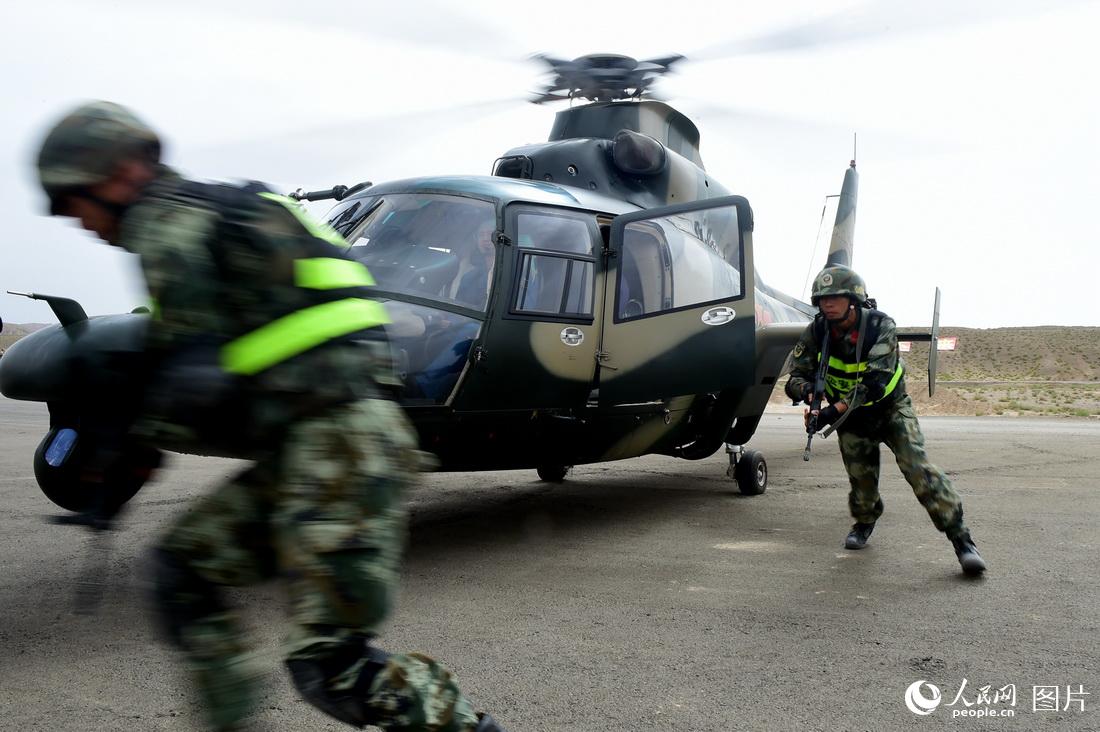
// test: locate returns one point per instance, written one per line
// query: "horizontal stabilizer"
(933, 339)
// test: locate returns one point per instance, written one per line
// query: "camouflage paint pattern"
(85, 146)
(575, 170)
(200, 301)
(838, 280)
(324, 514)
(882, 360)
(890, 420)
(580, 154)
(844, 227)
(321, 507)
(899, 430)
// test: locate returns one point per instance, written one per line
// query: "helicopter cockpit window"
(678, 261)
(556, 267)
(430, 246)
(553, 233)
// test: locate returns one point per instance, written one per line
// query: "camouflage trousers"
(325, 516)
(901, 432)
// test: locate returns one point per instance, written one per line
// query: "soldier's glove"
(827, 416)
(804, 395)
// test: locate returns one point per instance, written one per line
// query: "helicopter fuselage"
(598, 330)
(595, 299)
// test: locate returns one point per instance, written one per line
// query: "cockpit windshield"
(435, 247)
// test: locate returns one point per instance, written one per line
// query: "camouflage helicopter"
(594, 299)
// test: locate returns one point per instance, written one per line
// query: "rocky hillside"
(11, 334)
(1047, 353)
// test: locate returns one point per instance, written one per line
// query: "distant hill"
(1046, 353)
(11, 334)
(14, 331)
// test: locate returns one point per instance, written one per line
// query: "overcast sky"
(978, 124)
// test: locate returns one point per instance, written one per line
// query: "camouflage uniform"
(889, 419)
(322, 505)
(260, 347)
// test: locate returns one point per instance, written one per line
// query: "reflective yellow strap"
(328, 273)
(319, 230)
(893, 381)
(890, 386)
(298, 332)
(850, 368)
(839, 386)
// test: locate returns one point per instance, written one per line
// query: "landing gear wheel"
(751, 473)
(553, 473)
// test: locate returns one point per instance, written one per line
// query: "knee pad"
(313, 679)
(180, 595)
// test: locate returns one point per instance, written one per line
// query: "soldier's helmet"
(86, 145)
(838, 280)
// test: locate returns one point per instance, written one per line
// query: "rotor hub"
(602, 77)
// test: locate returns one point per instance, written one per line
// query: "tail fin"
(844, 230)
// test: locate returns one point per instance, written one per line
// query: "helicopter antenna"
(813, 251)
(853, 149)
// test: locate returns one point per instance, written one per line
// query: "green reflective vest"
(338, 306)
(309, 327)
(841, 378)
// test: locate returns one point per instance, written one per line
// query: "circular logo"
(827, 279)
(718, 316)
(572, 336)
(920, 704)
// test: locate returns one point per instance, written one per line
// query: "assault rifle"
(818, 394)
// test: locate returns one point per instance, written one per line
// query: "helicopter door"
(680, 318)
(538, 350)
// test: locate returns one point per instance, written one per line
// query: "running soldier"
(868, 404)
(264, 344)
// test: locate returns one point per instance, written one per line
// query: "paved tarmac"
(640, 595)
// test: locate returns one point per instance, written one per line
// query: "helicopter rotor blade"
(872, 21)
(767, 125)
(431, 24)
(317, 153)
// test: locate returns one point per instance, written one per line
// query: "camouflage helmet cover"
(86, 145)
(838, 280)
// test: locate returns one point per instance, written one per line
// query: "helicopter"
(594, 299)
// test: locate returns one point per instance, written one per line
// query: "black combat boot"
(858, 536)
(972, 562)
(485, 723)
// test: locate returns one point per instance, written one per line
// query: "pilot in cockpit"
(473, 284)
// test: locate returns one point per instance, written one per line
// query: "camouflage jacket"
(218, 268)
(882, 365)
